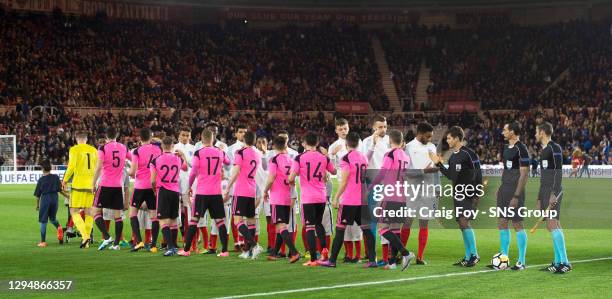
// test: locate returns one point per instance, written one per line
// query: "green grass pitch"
(125, 274)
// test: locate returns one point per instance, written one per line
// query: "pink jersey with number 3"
(168, 167)
(207, 165)
(248, 159)
(311, 167)
(112, 156)
(143, 156)
(280, 192)
(356, 164)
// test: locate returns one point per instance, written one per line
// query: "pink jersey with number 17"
(311, 167)
(112, 156)
(207, 165)
(143, 156)
(168, 167)
(248, 159)
(280, 191)
(356, 164)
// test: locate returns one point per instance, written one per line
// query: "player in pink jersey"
(311, 166)
(279, 168)
(109, 190)
(165, 179)
(394, 169)
(242, 179)
(143, 191)
(353, 206)
(207, 167)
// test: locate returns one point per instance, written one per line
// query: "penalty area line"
(368, 283)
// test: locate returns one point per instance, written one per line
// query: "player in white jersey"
(352, 232)
(239, 132)
(184, 145)
(375, 147)
(427, 174)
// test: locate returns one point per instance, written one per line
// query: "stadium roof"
(356, 4)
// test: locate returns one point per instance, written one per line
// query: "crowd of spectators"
(70, 61)
(211, 70)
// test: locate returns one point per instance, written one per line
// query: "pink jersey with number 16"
(143, 156)
(207, 166)
(311, 167)
(112, 156)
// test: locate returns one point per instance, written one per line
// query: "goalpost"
(8, 152)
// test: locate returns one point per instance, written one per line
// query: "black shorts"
(388, 213)
(544, 197)
(167, 204)
(347, 215)
(212, 203)
(243, 206)
(312, 213)
(504, 196)
(143, 195)
(109, 198)
(462, 206)
(280, 213)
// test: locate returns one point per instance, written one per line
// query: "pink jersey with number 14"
(112, 156)
(311, 167)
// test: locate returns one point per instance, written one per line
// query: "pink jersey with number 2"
(248, 159)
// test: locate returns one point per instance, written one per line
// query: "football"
(499, 261)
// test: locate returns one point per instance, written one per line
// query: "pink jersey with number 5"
(311, 167)
(112, 156)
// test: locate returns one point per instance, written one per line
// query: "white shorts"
(353, 233)
(424, 207)
(266, 206)
(108, 214)
(144, 220)
(328, 221)
(213, 227)
(203, 221)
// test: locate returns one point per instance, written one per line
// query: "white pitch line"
(367, 283)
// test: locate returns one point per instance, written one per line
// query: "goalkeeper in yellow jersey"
(82, 161)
